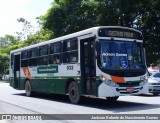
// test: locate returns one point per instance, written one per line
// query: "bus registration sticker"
(130, 89)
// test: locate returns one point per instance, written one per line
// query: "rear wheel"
(74, 94)
(28, 89)
(112, 99)
(155, 94)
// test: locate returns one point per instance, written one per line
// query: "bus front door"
(16, 71)
(88, 70)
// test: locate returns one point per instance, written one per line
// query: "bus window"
(55, 53)
(55, 59)
(24, 59)
(43, 55)
(55, 48)
(70, 49)
(33, 57)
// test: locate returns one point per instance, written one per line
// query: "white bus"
(105, 61)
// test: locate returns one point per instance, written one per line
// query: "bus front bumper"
(109, 91)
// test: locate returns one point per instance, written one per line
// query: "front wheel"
(74, 94)
(28, 89)
(112, 99)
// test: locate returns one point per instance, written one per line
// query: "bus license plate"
(129, 89)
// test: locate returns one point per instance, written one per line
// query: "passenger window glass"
(70, 48)
(43, 60)
(43, 50)
(55, 59)
(70, 45)
(24, 55)
(33, 52)
(55, 48)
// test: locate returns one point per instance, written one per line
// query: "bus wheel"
(28, 89)
(112, 99)
(74, 94)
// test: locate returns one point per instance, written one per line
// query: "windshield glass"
(121, 55)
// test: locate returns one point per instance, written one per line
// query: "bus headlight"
(103, 78)
(108, 82)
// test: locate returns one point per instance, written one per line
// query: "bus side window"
(70, 51)
(43, 55)
(33, 57)
(24, 58)
(55, 53)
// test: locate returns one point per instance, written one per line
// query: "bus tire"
(112, 99)
(74, 94)
(28, 89)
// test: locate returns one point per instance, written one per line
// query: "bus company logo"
(49, 69)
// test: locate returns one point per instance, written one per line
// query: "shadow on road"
(116, 107)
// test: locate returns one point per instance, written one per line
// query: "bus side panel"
(22, 83)
(56, 86)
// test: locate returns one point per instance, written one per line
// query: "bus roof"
(73, 35)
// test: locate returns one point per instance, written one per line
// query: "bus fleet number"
(69, 67)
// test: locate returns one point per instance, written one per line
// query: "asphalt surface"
(15, 102)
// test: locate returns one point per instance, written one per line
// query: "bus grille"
(132, 84)
(123, 90)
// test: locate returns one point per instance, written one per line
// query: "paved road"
(15, 102)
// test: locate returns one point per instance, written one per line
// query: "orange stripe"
(118, 79)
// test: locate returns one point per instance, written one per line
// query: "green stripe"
(56, 77)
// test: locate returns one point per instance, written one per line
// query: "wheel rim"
(74, 93)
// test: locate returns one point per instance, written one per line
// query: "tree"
(4, 61)
(9, 43)
(27, 29)
(39, 36)
(68, 16)
(148, 12)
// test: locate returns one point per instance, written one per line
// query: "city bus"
(104, 61)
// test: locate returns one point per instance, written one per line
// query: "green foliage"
(8, 40)
(149, 23)
(27, 29)
(7, 44)
(38, 37)
(4, 61)
(68, 16)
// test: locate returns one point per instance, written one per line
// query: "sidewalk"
(4, 81)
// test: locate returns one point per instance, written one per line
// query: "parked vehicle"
(154, 83)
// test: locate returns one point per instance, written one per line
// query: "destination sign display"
(119, 32)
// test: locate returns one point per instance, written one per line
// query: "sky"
(11, 10)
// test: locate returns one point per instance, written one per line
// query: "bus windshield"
(121, 55)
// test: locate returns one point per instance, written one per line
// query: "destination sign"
(119, 32)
